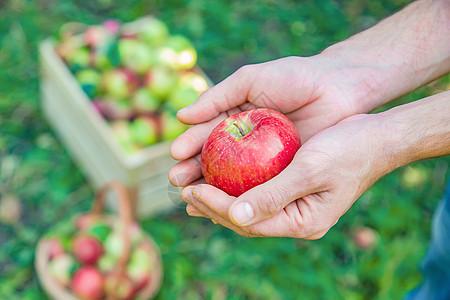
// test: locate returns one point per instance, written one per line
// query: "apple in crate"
(171, 127)
(111, 26)
(145, 102)
(160, 81)
(79, 59)
(178, 53)
(122, 134)
(94, 36)
(61, 268)
(181, 97)
(135, 55)
(89, 80)
(87, 249)
(153, 31)
(120, 83)
(193, 80)
(144, 131)
(113, 109)
(87, 283)
(247, 149)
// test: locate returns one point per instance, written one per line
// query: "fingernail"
(242, 213)
(193, 212)
(186, 196)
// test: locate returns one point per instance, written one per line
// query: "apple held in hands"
(248, 149)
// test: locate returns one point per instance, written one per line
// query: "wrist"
(397, 55)
(415, 131)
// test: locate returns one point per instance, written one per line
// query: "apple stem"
(241, 131)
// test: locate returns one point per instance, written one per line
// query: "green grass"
(202, 260)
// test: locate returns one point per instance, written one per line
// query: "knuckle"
(270, 203)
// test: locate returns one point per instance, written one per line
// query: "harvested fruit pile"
(137, 76)
(84, 257)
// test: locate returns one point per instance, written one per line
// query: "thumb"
(228, 94)
(269, 198)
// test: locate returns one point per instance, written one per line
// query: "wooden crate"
(90, 141)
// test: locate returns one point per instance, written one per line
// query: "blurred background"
(40, 186)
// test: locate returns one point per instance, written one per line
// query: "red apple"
(114, 109)
(248, 149)
(94, 36)
(55, 248)
(88, 284)
(111, 26)
(87, 249)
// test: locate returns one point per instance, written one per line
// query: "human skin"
(327, 97)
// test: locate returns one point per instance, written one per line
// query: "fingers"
(229, 93)
(191, 142)
(267, 199)
(186, 171)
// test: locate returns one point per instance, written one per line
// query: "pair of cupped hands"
(339, 159)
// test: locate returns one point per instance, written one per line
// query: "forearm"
(399, 54)
(415, 131)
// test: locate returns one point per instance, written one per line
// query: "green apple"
(153, 31)
(182, 97)
(89, 80)
(136, 55)
(171, 127)
(140, 266)
(62, 267)
(145, 102)
(107, 263)
(79, 59)
(144, 131)
(160, 81)
(193, 80)
(186, 56)
(114, 244)
(122, 134)
(120, 83)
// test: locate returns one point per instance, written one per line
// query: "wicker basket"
(56, 291)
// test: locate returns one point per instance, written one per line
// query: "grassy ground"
(204, 261)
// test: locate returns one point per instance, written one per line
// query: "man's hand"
(301, 88)
(330, 171)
